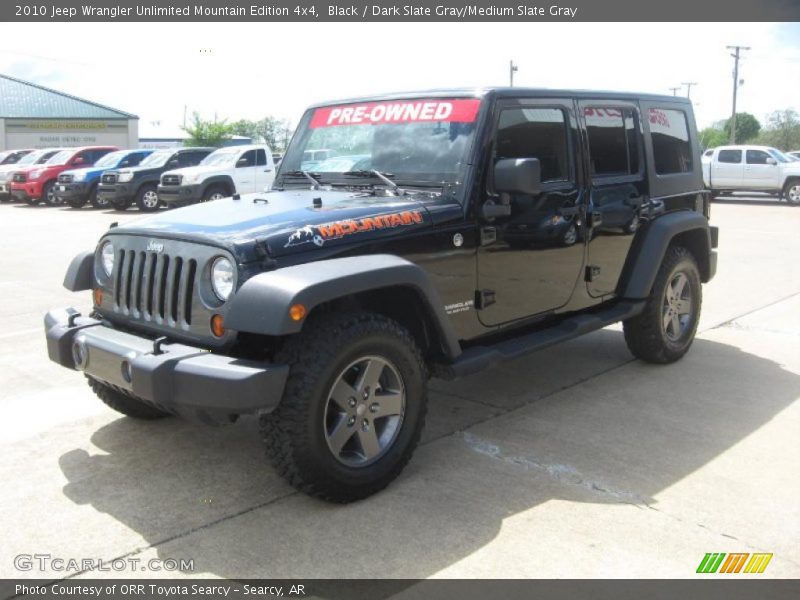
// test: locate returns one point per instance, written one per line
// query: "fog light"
(97, 296)
(126, 370)
(79, 354)
(297, 312)
(218, 325)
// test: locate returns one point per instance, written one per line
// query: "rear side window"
(613, 141)
(535, 133)
(756, 157)
(261, 158)
(672, 152)
(730, 156)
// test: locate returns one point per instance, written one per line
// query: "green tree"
(747, 128)
(207, 133)
(782, 130)
(711, 137)
(272, 131)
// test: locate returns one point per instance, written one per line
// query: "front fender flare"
(262, 304)
(80, 273)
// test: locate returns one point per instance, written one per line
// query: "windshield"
(32, 158)
(220, 158)
(415, 141)
(109, 160)
(157, 158)
(61, 158)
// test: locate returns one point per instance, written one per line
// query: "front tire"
(147, 198)
(665, 330)
(121, 205)
(122, 403)
(98, 201)
(215, 192)
(353, 408)
(49, 194)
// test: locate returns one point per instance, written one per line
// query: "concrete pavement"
(577, 461)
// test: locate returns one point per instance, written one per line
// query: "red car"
(37, 182)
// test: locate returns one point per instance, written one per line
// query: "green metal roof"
(23, 100)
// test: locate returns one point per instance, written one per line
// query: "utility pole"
(736, 57)
(512, 68)
(689, 85)
(675, 90)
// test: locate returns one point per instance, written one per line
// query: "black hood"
(287, 222)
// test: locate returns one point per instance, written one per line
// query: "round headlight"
(222, 278)
(107, 258)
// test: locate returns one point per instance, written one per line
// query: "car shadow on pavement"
(745, 201)
(628, 433)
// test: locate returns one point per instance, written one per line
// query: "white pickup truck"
(751, 169)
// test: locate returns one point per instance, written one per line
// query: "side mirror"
(518, 176)
(78, 160)
(242, 162)
(772, 161)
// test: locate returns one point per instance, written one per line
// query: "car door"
(245, 172)
(265, 170)
(761, 171)
(530, 260)
(615, 158)
(727, 171)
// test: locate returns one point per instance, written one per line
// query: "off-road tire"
(294, 433)
(791, 189)
(140, 194)
(644, 333)
(122, 403)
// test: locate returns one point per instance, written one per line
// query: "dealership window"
(756, 157)
(535, 133)
(669, 131)
(730, 156)
(613, 141)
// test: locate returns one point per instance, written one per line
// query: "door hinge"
(484, 298)
(592, 272)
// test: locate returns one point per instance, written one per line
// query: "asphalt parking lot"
(574, 462)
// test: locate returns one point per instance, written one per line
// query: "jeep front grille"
(171, 180)
(161, 287)
(155, 287)
(109, 178)
(65, 178)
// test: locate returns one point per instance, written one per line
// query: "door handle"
(267, 170)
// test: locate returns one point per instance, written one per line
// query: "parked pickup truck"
(751, 169)
(227, 171)
(79, 186)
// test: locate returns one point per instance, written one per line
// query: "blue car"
(79, 186)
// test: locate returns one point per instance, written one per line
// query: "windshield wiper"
(315, 184)
(384, 177)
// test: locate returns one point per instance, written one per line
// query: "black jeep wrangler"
(477, 227)
(123, 187)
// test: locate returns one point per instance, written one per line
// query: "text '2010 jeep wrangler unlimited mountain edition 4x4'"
(487, 224)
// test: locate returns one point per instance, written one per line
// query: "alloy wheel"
(676, 315)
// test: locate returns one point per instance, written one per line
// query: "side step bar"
(478, 358)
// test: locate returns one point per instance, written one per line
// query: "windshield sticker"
(381, 113)
(319, 234)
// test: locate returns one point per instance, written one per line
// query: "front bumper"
(183, 379)
(119, 192)
(26, 191)
(185, 194)
(68, 191)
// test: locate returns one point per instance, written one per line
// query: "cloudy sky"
(253, 70)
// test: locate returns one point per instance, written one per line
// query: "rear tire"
(353, 408)
(147, 198)
(122, 403)
(665, 330)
